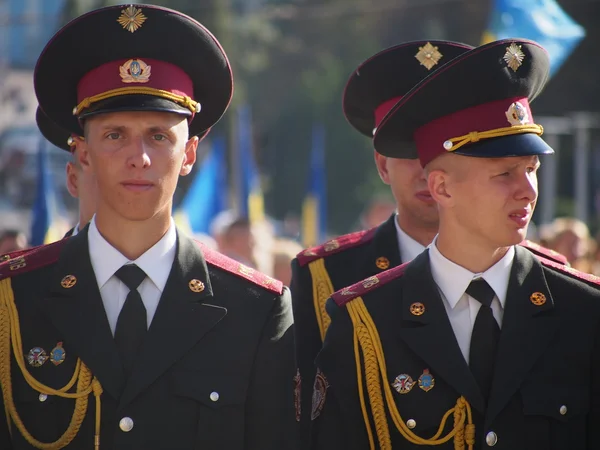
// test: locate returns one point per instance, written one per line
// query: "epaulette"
(31, 259)
(236, 268)
(336, 245)
(569, 270)
(346, 294)
(544, 252)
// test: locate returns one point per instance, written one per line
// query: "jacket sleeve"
(270, 413)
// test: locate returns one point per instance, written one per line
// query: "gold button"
(491, 439)
(410, 423)
(563, 410)
(126, 424)
(214, 396)
(43, 397)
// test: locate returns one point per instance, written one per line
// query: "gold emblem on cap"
(537, 298)
(135, 71)
(514, 56)
(417, 309)
(428, 55)
(196, 285)
(68, 281)
(516, 114)
(131, 18)
(382, 263)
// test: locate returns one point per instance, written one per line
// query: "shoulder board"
(336, 245)
(544, 252)
(240, 270)
(30, 259)
(346, 294)
(588, 277)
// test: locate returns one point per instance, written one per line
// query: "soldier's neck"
(420, 231)
(132, 238)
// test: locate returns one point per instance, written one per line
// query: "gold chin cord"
(10, 338)
(368, 343)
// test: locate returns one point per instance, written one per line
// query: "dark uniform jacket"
(319, 272)
(546, 388)
(213, 372)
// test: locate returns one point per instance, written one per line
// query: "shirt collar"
(409, 248)
(453, 280)
(75, 230)
(156, 262)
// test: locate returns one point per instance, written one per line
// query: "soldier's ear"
(437, 182)
(381, 163)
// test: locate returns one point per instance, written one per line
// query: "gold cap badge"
(131, 18)
(428, 55)
(514, 56)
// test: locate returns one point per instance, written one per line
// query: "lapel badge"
(68, 281)
(382, 263)
(37, 357)
(514, 56)
(319, 394)
(426, 381)
(58, 354)
(428, 55)
(196, 285)
(135, 71)
(417, 309)
(370, 282)
(131, 18)
(331, 245)
(403, 383)
(298, 394)
(537, 298)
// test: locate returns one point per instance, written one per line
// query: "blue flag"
(314, 208)
(540, 20)
(208, 194)
(46, 225)
(249, 196)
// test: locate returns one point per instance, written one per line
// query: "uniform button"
(214, 396)
(43, 397)
(410, 423)
(491, 439)
(126, 424)
(563, 410)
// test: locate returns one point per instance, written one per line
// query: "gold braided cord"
(373, 382)
(361, 393)
(322, 290)
(463, 430)
(86, 383)
(476, 136)
(185, 101)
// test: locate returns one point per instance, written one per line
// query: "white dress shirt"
(453, 280)
(155, 262)
(75, 230)
(409, 248)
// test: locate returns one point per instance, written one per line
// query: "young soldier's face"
(137, 158)
(492, 199)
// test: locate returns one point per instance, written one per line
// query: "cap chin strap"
(184, 101)
(476, 136)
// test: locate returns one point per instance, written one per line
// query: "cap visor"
(517, 145)
(124, 103)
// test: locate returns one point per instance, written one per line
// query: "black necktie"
(485, 337)
(131, 324)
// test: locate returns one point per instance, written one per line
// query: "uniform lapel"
(183, 316)
(78, 314)
(527, 328)
(383, 251)
(430, 335)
